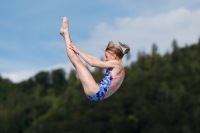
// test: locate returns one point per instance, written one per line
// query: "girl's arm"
(92, 61)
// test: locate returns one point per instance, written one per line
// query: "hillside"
(160, 94)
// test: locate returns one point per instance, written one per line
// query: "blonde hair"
(117, 50)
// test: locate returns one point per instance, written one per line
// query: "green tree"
(58, 81)
(43, 78)
(154, 49)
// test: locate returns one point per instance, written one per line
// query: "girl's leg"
(88, 82)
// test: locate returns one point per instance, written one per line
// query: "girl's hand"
(74, 48)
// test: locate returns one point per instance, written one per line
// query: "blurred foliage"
(160, 94)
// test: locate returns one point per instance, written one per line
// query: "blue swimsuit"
(107, 86)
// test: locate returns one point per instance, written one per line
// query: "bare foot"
(65, 27)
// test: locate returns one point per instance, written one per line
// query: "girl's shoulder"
(118, 70)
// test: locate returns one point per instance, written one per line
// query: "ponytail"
(125, 46)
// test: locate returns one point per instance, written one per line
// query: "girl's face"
(110, 56)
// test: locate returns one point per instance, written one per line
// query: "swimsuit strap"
(114, 88)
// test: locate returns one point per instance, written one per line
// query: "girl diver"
(115, 72)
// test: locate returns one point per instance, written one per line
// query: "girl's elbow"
(92, 64)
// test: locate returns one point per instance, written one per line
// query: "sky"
(29, 30)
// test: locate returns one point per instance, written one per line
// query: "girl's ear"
(115, 56)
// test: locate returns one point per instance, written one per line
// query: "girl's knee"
(91, 90)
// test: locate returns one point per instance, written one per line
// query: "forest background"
(160, 94)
